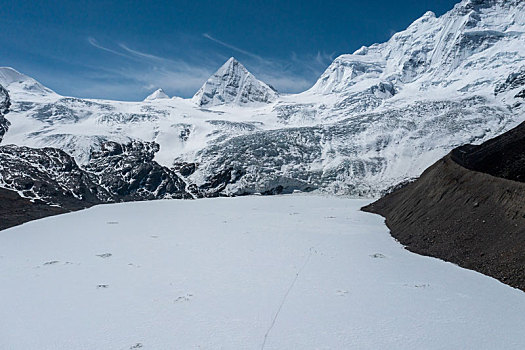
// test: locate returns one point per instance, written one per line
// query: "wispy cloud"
(184, 76)
(95, 44)
(143, 54)
(234, 48)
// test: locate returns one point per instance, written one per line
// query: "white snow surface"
(287, 272)
(374, 118)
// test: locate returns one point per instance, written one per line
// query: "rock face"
(128, 172)
(49, 175)
(468, 208)
(119, 172)
(232, 83)
(5, 103)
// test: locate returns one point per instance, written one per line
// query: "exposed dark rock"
(468, 208)
(49, 174)
(15, 210)
(503, 156)
(513, 81)
(218, 182)
(129, 172)
(5, 103)
(185, 169)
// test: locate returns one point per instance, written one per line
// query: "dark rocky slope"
(15, 210)
(468, 208)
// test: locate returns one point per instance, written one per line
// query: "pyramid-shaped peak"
(158, 94)
(233, 84)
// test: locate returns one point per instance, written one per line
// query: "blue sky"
(125, 49)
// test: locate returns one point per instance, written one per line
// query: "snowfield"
(286, 272)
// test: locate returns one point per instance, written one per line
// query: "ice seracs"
(233, 84)
(158, 94)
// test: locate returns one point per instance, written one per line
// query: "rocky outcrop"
(514, 81)
(468, 208)
(128, 172)
(49, 175)
(5, 103)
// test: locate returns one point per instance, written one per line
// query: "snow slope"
(374, 118)
(280, 272)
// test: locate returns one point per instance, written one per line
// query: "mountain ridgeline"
(374, 119)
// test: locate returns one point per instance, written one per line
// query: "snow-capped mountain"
(232, 83)
(158, 94)
(374, 118)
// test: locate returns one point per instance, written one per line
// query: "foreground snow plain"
(284, 272)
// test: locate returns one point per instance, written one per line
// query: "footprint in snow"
(136, 346)
(105, 255)
(341, 293)
(377, 256)
(424, 285)
(102, 286)
(112, 222)
(183, 298)
(51, 262)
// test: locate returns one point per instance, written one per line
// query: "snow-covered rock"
(5, 103)
(158, 94)
(232, 83)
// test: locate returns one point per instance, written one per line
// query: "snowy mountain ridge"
(374, 118)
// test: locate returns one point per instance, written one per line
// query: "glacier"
(374, 119)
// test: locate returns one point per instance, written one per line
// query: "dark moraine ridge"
(16, 210)
(468, 208)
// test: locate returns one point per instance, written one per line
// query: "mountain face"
(374, 119)
(232, 83)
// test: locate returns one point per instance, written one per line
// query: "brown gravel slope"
(468, 217)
